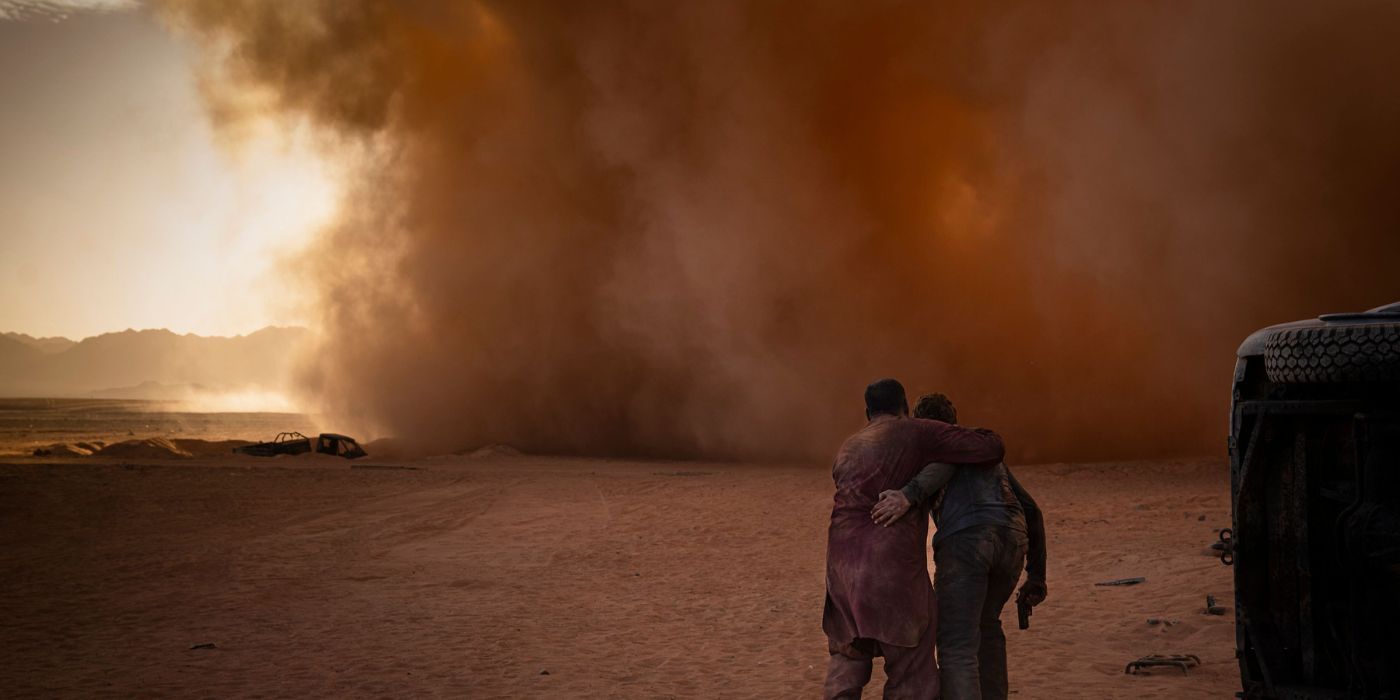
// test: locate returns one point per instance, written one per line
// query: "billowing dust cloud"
(678, 229)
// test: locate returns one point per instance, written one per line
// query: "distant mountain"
(140, 364)
(44, 345)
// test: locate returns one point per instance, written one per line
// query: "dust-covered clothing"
(879, 601)
(980, 497)
(877, 577)
(974, 497)
(911, 672)
(987, 525)
(977, 570)
(977, 497)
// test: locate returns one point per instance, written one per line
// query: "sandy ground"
(524, 577)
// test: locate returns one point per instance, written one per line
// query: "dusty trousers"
(911, 673)
(977, 569)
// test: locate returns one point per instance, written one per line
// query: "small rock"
(1201, 519)
(206, 645)
(1212, 608)
(544, 672)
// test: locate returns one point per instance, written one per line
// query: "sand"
(145, 448)
(513, 576)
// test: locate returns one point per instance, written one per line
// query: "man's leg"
(1001, 581)
(848, 670)
(911, 672)
(960, 585)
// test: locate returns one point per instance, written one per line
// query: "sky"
(120, 207)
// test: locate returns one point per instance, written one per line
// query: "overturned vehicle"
(1315, 483)
(296, 444)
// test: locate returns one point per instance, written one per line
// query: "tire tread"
(1363, 352)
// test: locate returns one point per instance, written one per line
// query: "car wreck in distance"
(1315, 484)
(293, 443)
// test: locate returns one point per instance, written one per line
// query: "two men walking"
(879, 600)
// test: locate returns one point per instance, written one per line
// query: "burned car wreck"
(1315, 485)
(295, 444)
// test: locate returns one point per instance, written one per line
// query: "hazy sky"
(118, 206)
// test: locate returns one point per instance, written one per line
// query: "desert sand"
(516, 576)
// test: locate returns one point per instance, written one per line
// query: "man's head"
(936, 407)
(885, 396)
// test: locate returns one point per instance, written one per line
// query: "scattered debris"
(293, 443)
(1122, 581)
(1181, 661)
(1212, 608)
(206, 645)
(1164, 622)
(383, 466)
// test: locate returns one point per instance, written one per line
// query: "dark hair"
(885, 396)
(936, 407)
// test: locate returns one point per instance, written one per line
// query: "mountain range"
(146, 364)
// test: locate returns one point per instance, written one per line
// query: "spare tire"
(1346, 352)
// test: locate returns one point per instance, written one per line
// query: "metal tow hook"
(1226, 546)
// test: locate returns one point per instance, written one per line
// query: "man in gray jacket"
(988, 528)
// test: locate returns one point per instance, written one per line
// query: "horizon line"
(273, 326)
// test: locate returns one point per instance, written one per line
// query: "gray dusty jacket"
(963, 498)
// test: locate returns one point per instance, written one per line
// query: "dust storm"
(699, 229)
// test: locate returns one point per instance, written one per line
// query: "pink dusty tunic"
(877, 584)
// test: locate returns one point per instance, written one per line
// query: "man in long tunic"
(879, 600)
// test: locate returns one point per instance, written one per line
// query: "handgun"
(1023, 614)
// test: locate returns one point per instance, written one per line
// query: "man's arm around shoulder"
(944, 445)
(918, 492)
(954, 444)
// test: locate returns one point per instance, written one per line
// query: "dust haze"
(699, 229)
